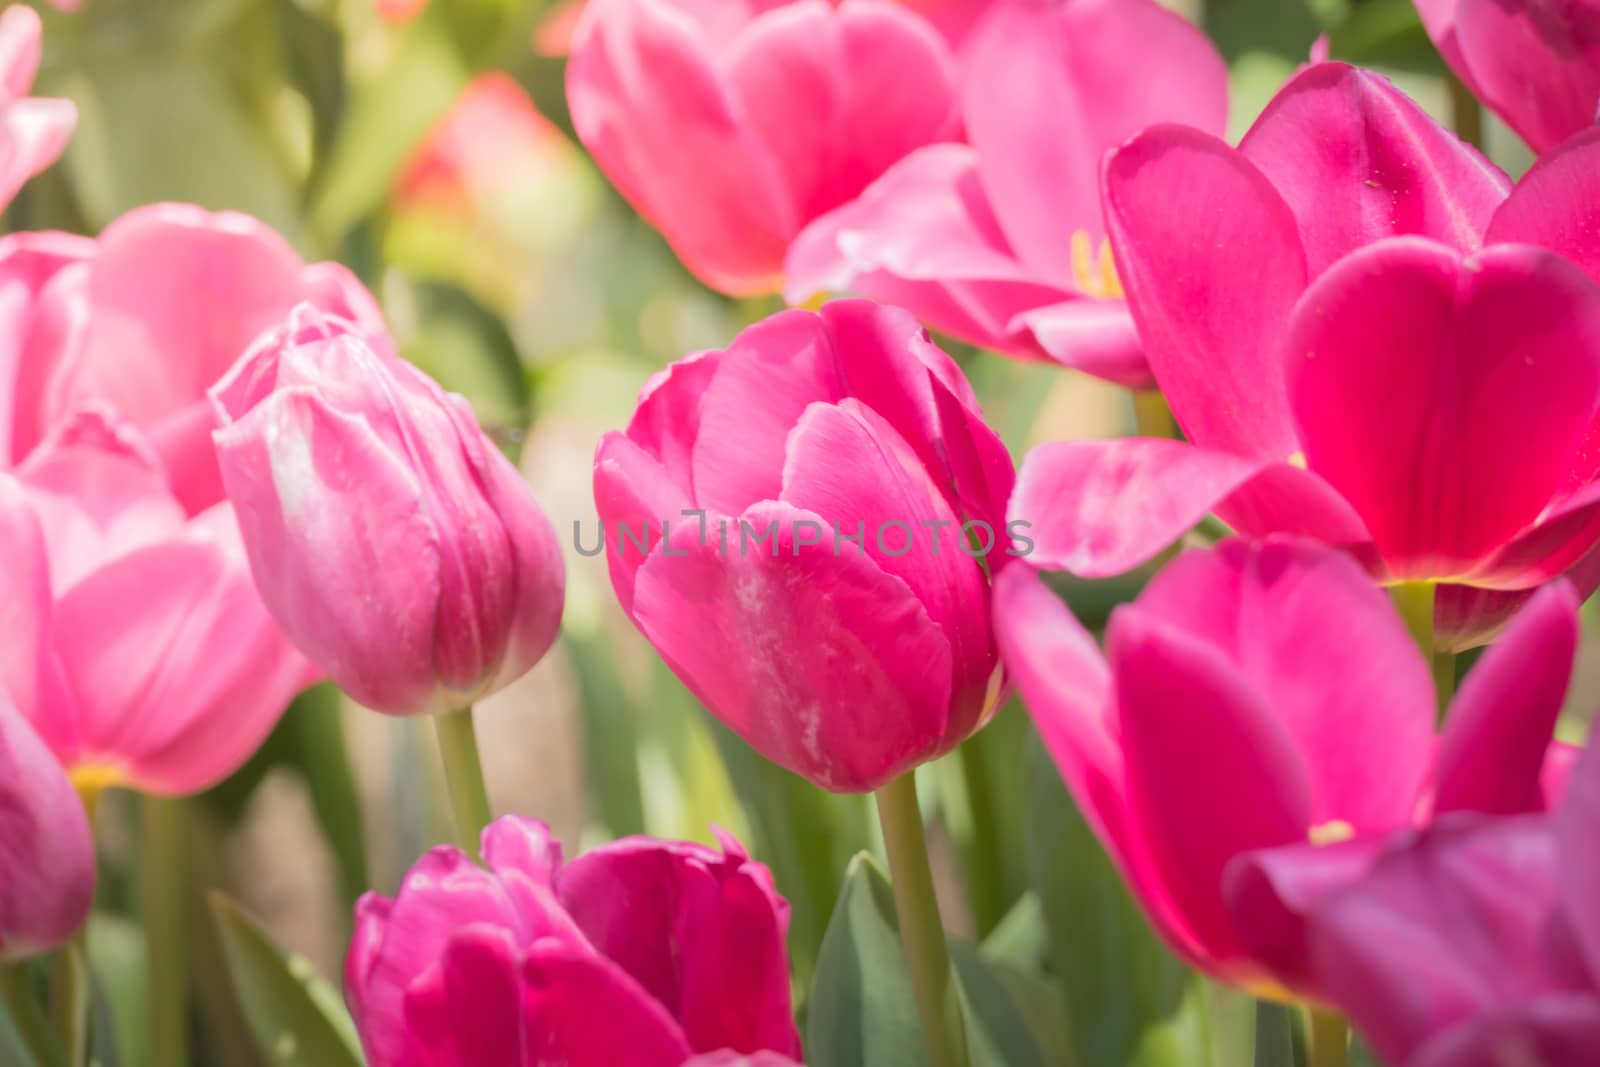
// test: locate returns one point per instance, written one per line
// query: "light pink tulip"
(46, 852)
(1535, 63)
(730, 124)
(1254, 697)
(1368, 337)
(390, 538)
(641, 952)
(136, 643)
(1473, 943)
(1001, 242)
(728, 510)
(143, 320)
(33, 130)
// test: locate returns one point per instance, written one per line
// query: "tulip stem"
(69, 998)
(1466, 114)
(921, 931)
(163, 886)
(463, 776)
(1415, 601)
(1151, 415)
(1329, 1044)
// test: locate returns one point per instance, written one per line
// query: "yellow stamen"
(1331, 832)
(1094, 270)
(1298, 459)
(91, 780)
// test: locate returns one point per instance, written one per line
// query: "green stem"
(1466, 114)
(20, 1005)
(1444, 679)
(69, 999)
(921, 932)
(1329, 1044)
(463, 777)
(163, 883)
(1151, 415)
(985, 868)
(1415, 601)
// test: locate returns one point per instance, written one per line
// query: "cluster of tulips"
(1381, 359)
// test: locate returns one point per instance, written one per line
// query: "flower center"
(1331, 832)
(1094, 271)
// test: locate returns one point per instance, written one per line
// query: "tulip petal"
(1211, 259)
(1097, 337)
(1577, 824)
(30, 672)
(466, 1010)
(698, 930)
(1050, 88)
(1536, 65)
(1499, 728)
(1556, 205)
(1357, 161)
(1307, 632)
(1211, 772)
(33, 134)
(1445, 398)
(581, 1010)
(28, 263)
(823, 663)
(1551, 1029)
(634, 496)
(1099, 508)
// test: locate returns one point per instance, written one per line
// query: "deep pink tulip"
(136, 643)
(1257, 696)
(641, 952)
(730, 124)
(46, 853)
(1367, 340)
(389, 537)
(33, 130)
(728, 510)
(1473, 943)
(1535, 63)
(1001, 242)
(143, 320)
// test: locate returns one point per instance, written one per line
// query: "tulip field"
(799, 533)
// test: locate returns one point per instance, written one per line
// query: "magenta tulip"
(799, 524)
(1258, 696)
(46, 852)
(1535, 63)
(392, 541)
(641, 952)
(1474, 943)
(146, 318)
(1366, 340)
(1001, 243)
(730, 124)
(34, 130)
(136, 642)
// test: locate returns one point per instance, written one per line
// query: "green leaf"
(1129, 1000)
(983, 802)
(863, 1011)
(295, 1016)
(25, 1036)
(1274, 1035)
(314, 48)
(117, 955)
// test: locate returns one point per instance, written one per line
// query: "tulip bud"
(36, 129)
(804, 525)
(470, 965)
(393, 543)
(46, 853)
(730, 125)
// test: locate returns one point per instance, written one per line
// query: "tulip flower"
(1001, 242)
(391, 540)
(1535, 63)
(136, 644)
(46, 853)
(641, 952)
(1473, 943)
(730, 124)
(143, 320)
(788, 521)
(1367, 336)
(1260, 696)
(35, 129)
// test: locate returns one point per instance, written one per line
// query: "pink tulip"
(46, 853)
(136, 643)
(143, 320)
(1258, 696)
(1473, 943)
(33, 130)
(392, 541)
(1001, 243)
(730, 124)
(788, 522)
(641, 952)
(1368, 337)
(1535, 63)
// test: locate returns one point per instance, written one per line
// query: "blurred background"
(427, 146)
